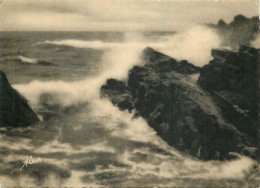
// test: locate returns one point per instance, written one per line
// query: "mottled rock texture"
(208, 118)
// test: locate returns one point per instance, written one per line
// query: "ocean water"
(84, 140)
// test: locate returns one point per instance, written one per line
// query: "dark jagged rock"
(166, 63)
(221, 23)
(182, 113)
(115, 85)
(240, 31)
(20, 114)
(231, 78)
(118, 93)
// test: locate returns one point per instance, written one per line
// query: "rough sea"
(84, 140)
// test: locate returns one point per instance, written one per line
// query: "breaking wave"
(82, 44)
(256, 43)
(27, 60)
(169, 165)
(115, 64)
(194, 45)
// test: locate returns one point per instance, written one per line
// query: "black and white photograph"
(129, 93)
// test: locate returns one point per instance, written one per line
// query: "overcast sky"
(118, 15)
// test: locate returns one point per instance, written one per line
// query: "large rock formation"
(198, 121)
(241, 30)
(231, 79)
(14, 109)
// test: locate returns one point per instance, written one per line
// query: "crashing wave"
(82, 44)
(27, 60)
(33, 61)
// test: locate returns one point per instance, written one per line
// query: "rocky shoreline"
(208, 118)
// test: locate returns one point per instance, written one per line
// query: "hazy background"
(118, 15)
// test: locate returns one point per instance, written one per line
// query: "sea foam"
(27, 60)
(194, 45)
(116, 62)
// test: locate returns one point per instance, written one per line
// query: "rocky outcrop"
(241, 30)
(15, 111)
(231, 78)
(187, 116)
(119, 94)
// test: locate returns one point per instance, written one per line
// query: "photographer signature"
(30, 160)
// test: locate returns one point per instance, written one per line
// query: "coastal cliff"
(208, 118)
(15, 111)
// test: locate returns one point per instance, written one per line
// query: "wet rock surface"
(200, 119)
(232, 82)
(15, 111)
